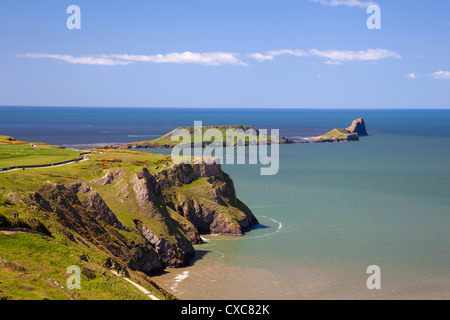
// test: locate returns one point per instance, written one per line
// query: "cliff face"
(359, 127)
(146, 221)
(92, 223)
(205, 202)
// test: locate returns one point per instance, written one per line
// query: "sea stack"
(358, 126)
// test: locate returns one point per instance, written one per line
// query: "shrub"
(4, 222)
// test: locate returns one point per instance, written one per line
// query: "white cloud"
(92, 60)
(210, 58)
(441, 75)
(412, 76)
(260, 56)
(272, 54)
(296, 53)
(348, 3)
(367, 55)
(333, 57)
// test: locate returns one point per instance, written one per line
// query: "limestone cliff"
(144, 221)
(359, 127)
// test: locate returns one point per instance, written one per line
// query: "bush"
(88, 273)
(4, 222)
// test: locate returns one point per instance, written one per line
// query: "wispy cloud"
(91, 60)
(272, 54)
(210, 58)
(363, 55)
(348, 3)
(335, 57)
(441, 75)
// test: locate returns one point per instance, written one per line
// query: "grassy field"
(24, 154)
(337, 133)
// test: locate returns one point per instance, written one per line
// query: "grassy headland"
(241, 135)
(134, 210)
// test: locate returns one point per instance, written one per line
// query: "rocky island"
(356, 130)
(165, 141)
(352, 133)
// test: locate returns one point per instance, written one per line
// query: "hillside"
(165, 141)
(136, 211)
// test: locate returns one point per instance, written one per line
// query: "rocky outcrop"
(182, 174)
(101, 210)
(167, 200)
(108, 178)
(352, 133)
(92, 223)
(335, 138)
(172, 254)
(166, 213)
(217, 209)
(358, 127)
(79, 187)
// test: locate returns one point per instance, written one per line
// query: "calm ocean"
(331, 211)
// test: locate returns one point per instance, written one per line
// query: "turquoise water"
(331, 211)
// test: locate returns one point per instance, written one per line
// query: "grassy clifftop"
(134, 210)
(26, 154)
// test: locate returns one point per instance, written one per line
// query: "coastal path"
(145, 291)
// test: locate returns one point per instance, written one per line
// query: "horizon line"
(225, 108)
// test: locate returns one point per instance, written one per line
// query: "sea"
(331, 212)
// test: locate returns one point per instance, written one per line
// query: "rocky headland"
(143, 219)
(165, 141)
(356, 130)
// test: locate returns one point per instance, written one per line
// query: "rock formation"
(352, 133)
(167, 213)
(359, 127)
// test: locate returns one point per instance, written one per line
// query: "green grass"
(338, 133)
(45, 261)
(167, 138)
(46, 258)
(24, 154)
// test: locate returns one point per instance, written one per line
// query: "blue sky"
(226, 54)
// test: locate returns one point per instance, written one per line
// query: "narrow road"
(47, 165)
(145, 291)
